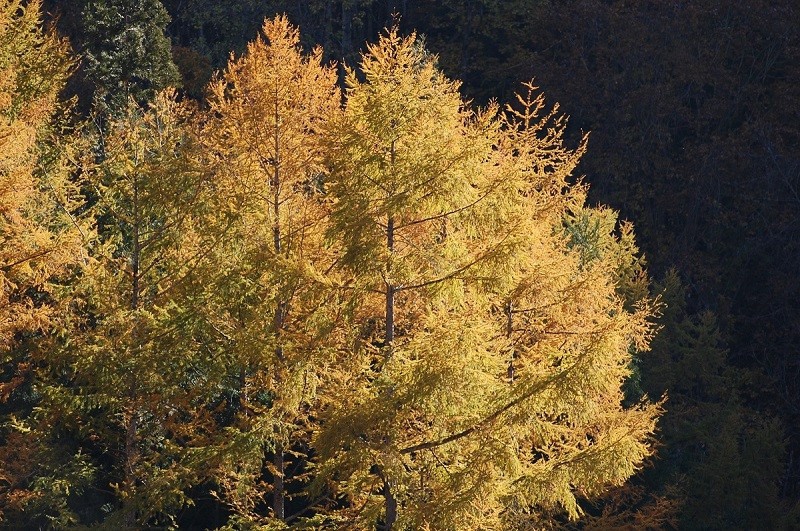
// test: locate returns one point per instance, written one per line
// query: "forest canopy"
(374, 304)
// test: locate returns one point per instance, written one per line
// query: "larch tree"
(413, 194)
(41, 239)
(482, 386)
(38, 236)
(405, 297)
(269, 110)
(131, 382)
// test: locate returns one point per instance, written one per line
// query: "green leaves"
(127, 54)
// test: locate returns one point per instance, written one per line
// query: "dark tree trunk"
(278, 491)
(391, 505)
(390, 291)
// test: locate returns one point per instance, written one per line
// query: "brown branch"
(445, 214)
(9, 267)
(487, 420)
(455, 273)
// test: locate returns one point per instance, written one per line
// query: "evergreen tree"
(719, 453)
(125, 50)
(130, 385)
(215, 29)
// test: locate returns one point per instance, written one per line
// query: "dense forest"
(341, 264)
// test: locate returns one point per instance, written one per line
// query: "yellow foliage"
(410, 288)
(269, 111)
(38, 237)
(491, 332)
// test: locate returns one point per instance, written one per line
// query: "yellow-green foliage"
(499, 396)
(276, 304)
(137, 356)
(403, 295)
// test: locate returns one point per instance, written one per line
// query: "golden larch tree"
(41, 237)
(38, 238)
(269, 110)
(482, 385)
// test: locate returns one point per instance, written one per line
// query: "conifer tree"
(720, 456)
(270, 108)
(406, 296)
(482, 387)
(126, 52)
(130, 385)
(38, 236)
(41, 240)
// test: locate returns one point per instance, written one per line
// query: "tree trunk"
(390, 502)
(390, 290)
(278, 491)
(390, 287)
(131, 456)
(391, 505)
(137, 249)
(131, 446)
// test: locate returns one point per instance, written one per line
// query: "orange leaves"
(272, 105)
(37, 238)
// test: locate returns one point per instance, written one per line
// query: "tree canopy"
(315, 294)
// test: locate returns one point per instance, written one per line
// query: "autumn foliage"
(376, 306)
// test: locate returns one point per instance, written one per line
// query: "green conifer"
(125, 51)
